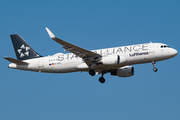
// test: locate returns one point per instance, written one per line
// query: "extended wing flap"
(18, 62)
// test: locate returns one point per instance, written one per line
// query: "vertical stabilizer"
(22, 49)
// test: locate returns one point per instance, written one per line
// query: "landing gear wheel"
(101, 79)
(92, 72)
(155, 69)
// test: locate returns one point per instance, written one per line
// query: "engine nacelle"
(113, 60)
(125, 71)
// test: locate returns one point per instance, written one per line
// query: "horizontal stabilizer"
(18, 62)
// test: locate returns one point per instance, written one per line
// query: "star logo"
(23, 51)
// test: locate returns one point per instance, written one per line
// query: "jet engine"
(113, 60)
(125, 71)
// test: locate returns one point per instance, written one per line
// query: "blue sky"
(92, 25)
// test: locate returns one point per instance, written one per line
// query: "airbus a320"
(117, 60)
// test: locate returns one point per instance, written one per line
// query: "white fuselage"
(133, 54)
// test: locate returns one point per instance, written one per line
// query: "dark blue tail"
(22, 49)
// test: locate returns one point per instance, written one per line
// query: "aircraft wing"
(86, 55)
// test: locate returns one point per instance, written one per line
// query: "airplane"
(117, 60)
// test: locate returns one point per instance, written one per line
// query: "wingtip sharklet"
(50, 33)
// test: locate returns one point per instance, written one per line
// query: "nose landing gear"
(154, 68)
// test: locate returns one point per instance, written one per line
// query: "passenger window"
(161, 46)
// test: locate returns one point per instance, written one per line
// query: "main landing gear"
(92, 72)
(101, 79)
(154, 68)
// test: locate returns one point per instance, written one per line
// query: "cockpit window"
(165, 46)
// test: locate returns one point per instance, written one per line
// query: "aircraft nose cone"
(174, 52)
